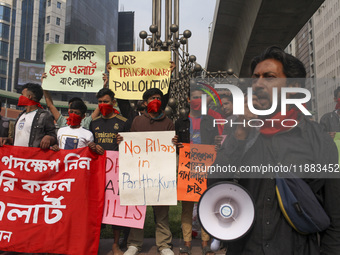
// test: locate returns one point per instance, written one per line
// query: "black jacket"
(43, 124)
(330, 122)
(305, 145)
(207, 130)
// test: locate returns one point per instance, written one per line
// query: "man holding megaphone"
(288, 144)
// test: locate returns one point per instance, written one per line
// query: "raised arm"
(49, 102)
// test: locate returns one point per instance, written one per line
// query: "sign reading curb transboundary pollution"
(147, 168)
(134, 72)
(71, 67)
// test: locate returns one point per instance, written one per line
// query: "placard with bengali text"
(193, 166)
(72, 67)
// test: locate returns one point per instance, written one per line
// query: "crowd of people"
(271, 233)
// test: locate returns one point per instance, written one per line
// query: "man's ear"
(145, 103)
(30, 95)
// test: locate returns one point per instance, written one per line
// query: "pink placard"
(114, 213)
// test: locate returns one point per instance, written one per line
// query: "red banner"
(51, 202)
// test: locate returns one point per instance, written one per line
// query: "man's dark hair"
(292, 67)
(151, 92)
(35, 89)
(105, 91)
(73, 99)
(228, 97)
(196, 88)
(79, 105)
(336, 92)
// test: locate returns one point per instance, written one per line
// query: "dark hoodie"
(146, 123)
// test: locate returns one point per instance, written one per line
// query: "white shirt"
(73, 138)
(23, 129)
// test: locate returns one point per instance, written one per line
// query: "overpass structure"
(244, 28)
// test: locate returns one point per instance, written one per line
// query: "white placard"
(147, 163)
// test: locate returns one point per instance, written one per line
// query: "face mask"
(154, 106)
(337, 107)
(195, 104)
(73, 119)
(106, 109)
(25, 101)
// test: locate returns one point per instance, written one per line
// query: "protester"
(305, 143)
(105, 129)
(227, 117)
(195, 129)
(35, 126)
(74, 135)
(60, 119)
(153, 119)
(331, 121)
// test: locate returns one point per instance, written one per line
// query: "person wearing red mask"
(34, 126)
(195, 129)
(105, 129)
(74, 135)
(331, 121)
(152, 119)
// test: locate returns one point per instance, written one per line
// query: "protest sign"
(51, 202)
(194, 160)
(114, 213)
(71, 67)
(147, 168)
(132, 73)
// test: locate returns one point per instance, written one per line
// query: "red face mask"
(337, 107)
(106, 109)
(154, 106)
(25, 101)
(73, 119)
(195, 104)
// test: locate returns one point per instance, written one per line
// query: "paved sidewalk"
(149, 247)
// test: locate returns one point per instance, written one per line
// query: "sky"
(195, 15)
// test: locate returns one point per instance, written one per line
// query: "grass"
(149, 225)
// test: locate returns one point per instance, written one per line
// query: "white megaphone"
(226, 211)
